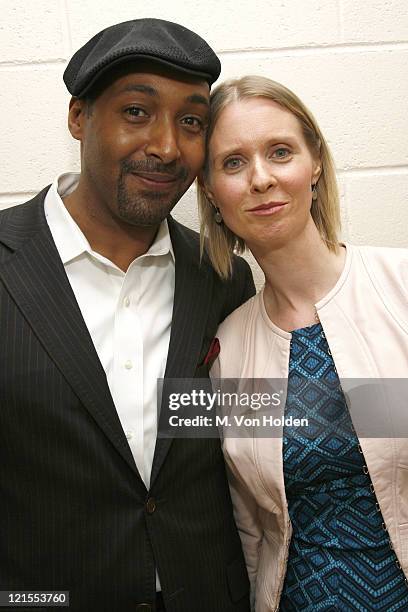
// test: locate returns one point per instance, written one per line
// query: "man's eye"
(193, 122)
(232, 163)
(136, 111)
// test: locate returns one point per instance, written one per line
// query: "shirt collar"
(68, 237)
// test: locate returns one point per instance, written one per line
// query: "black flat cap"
(155, 39)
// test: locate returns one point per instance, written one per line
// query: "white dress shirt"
(127, 314)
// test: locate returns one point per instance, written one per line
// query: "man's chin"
(143, 224)
(148, 211)
(141, 219)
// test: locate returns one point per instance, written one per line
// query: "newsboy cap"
(155, 39)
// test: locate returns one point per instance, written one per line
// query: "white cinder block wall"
(347, 60)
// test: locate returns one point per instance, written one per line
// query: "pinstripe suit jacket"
(73, 506)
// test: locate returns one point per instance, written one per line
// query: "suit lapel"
(192, 299)
(35, 277)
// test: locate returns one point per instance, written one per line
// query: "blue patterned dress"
(339, 556)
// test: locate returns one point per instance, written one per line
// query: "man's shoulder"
(20, 211)
(179, 230)
(230, 293)
(192, 240)
(21, 222)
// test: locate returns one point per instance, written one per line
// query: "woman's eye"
(281, 153)
(233, 163)
(136, 111)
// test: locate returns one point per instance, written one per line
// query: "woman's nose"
(262, 177)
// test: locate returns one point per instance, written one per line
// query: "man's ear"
(77, 115)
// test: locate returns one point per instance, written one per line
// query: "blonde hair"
(217, 239)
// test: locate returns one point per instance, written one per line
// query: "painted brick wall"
(346, 59)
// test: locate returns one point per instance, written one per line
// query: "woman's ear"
(317, 170)
(204, 186)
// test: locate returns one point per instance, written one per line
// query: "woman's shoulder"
(387, 269)
(385, 264)
(383, 253)
(236, 323)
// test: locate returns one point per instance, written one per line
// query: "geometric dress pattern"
(340, 558)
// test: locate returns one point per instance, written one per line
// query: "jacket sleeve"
(248, 523)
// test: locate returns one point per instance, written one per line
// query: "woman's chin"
(267, 240)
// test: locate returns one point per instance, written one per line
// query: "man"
(101, 293)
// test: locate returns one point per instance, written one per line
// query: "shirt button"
(126, 302)
(128, 364)
(150, 505)
(129, 435)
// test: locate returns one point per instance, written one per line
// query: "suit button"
(150, 505)
(144, 608)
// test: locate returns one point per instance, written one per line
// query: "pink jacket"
(365, 320)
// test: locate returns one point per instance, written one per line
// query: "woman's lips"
(270, 208)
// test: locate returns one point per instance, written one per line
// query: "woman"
(323, 516)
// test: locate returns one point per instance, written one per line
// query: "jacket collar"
(19, 224)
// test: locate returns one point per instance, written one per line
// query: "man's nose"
(163, 141)
(262, 176)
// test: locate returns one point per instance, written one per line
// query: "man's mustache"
(172, 169)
